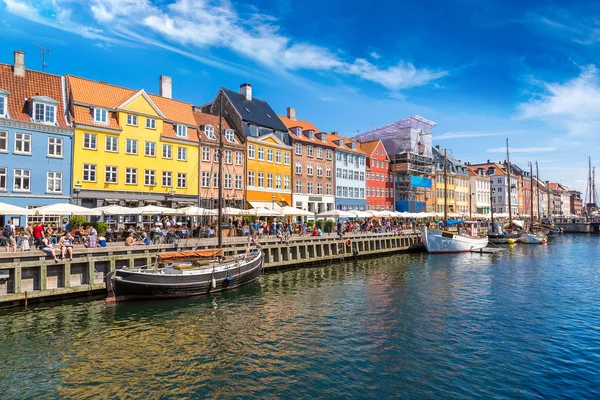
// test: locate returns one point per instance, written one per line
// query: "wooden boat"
(183, 274)
(502, 238)
(532, 238)
(439, 241)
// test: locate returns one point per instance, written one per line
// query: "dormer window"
(311, 135)
(253, 130)
(353, 146)
(43, 109)
(100, 116)
(299, 131)
(209, 131)
(229, 135)
(150, 123)
(182, 131)
(323, 137)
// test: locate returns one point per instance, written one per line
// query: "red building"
(380, 183)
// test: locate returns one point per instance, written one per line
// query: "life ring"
(469, 232)
(348, 242)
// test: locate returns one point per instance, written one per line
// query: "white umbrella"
(197, 211)
(335, 214)
(360, 214)
(117, 210)
(65, 209)
(234, 211)
(155, 210)
(264, 212)
(289, 211)
(9, 209)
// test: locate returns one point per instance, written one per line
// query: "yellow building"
(461, 194)
(439, 188)
(131, 147)
(269, 171)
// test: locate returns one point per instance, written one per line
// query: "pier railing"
(32, 276)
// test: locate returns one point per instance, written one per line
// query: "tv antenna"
(43, 51)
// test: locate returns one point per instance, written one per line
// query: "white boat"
(530, 238)
(437, 241)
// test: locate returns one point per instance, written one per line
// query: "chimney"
(291, 113)
(488, 161)
(19, 65)
(166, 87)
(334, 133)
(246, 91)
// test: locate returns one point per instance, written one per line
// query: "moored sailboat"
(532, 237)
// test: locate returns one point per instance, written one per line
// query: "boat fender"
(348, 242)
(213, 283)
(229, 278)
(469, 232)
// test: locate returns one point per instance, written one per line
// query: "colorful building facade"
(350, 174)
(379, 180)
(35, 139)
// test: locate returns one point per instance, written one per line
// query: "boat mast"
(492, 203)
(509, 188)
(445, 189)
(220, 185)
(531, 194)
(594, 186)
(537, 179)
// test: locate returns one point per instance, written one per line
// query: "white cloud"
(207, 25)
(520, 149)
(458, 135)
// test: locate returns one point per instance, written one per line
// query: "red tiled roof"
(369, 147)
(83, 115)
(209, 119)
(34, 83)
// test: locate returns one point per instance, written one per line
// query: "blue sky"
(483, 71)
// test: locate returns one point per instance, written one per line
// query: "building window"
(209, 131)
(269, 155)
(89, 172)
(205, 153)
(205, 179)
(250, 178)
(110, 174)
(131, 146)
(319, 188)
(362, 176)
(251, 151)
(22, 143)
(131, 120)
(309, 151)
(55, 147)
(2, 106)
(131, 176)
(253, 130)
(309, 170)
(167, 151)
(44, 113)
(111, 144)
(228, 157)
(369, 191)
(229, 135)
(182, 131)
(238, 181)
(261, 154)
(328, 187)
(216, 155)
(286, 158)
(298, 168)
(22, 180)
(150, 123)
(286, 182)
(239, 158)
(261, 179)
(150, 177)
(270, 180)
(299, 149)
(328, 172)
(100, 116)
(215, 179)
(181, 153)
(54, 182)
(89, 141)
(150, 149)
(3, 178)
(299, 187)
(167, 179)
(227, 181)
(278, 157)
(310, 187)
(320, 171)
(4, 142)
(319, 152)
(328, 154)
(278, 181)
(181, 180)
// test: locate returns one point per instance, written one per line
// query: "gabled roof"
(255, 111)
(209, 119)
(265, 137)
(146, 97)
(33, 84)
(295, 123)
(369, 147)
(306, 126)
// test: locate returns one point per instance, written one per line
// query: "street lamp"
(77, 189)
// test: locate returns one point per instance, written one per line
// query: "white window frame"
(286, 182)
(167, 151)
(298, 149)
(215, 179)
(278, 183)
(239, 158)
(205, 179)
(251, 178)
(114, 174)
(91, 169)
(25, 139)
(150, 124)
(181, 180)
(298, 168)
(131, 144)
(260, 179)
(3, 107)
(328, 154)
(181, 153)
(277, 156)
(182, 131)
(45, 108)
(270, 155)
(270, 180)
(319, 152)
(260, 154)
(22, 176)
(286, 158)
(230, 135)
(298, 187)
(227, 181)
(309, 169)
(251, 151)
(167, 179)
(111, 140)
(92, 139)
(209, 131)
(309, 150)
(131, 176)
(3, 179)
(4, 141)
(149, 177)
(101, 116)
(228, 157)
(132, 120)
(55, 144)
(238, 181)
(54, 177)
(150, 146)
(206, 153)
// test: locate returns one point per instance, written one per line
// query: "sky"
(482, 71)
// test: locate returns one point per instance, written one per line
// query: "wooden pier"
(27, 277)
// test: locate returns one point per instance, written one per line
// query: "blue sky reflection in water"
(519, 324)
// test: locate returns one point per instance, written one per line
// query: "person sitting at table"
(46, 247)
(66, 245)
(145, 240)
(91, 240)
(50, 231)
(130, 241)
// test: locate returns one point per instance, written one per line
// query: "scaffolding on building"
(408, 144)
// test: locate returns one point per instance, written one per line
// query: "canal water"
(523, 323)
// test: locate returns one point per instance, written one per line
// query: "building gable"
(141, 103)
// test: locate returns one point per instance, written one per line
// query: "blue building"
(35, 139)
(350, 169)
